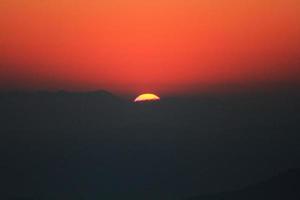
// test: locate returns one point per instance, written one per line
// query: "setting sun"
(147, 97)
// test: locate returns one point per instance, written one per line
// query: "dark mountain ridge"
(285, 185)
(95, 145)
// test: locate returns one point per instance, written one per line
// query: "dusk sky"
(163, 46)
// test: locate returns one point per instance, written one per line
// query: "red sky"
(163, 46)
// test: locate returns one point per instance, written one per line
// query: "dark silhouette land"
(94, 145)
(283, 186)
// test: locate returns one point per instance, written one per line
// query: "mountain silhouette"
(283, 186)
(95, 145)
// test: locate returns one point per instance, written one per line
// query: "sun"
(147, 97)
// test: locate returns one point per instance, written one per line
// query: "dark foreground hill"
(283, 186)
(98, 146)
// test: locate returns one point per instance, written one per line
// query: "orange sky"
(163, 46)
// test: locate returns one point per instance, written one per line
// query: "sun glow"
(147, 97)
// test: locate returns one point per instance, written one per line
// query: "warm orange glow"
(128, 46)
(147, 97)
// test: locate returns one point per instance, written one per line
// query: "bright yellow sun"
(147, 97)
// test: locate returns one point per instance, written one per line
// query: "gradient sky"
(163, 46)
